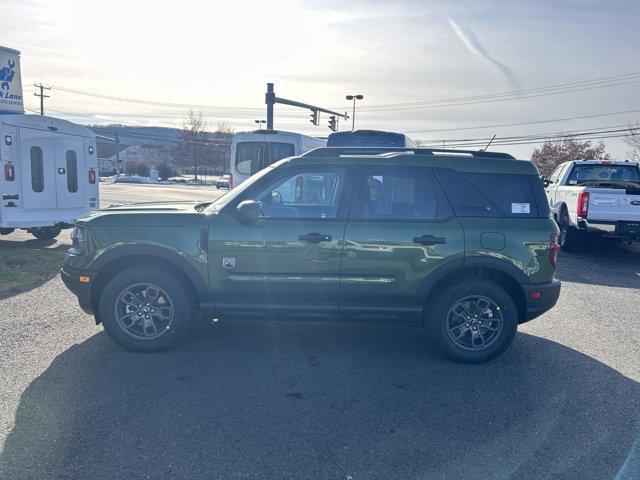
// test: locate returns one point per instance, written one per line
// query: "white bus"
(253, 151)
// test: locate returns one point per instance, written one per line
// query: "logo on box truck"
(10, 82)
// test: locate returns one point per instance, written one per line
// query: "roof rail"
(380, 151)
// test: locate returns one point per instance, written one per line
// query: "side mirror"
(546, 182)
(248, 211)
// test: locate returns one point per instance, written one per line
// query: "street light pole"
(353, 115)
(260, 122)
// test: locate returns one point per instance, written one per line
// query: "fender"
(471, 262)
(154, 251)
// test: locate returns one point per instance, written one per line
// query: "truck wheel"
(145, 309)
(569, 239)
(473, 321)
(45, 233)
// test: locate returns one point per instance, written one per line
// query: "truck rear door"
(38, 169)
(71, 175)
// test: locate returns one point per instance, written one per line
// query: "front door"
(71, 176)
(400, 229)
(38, 169)
(288, 261)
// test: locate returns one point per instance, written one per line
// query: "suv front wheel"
(473, 321)
(145, 309)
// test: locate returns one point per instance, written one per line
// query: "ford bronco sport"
(460, 243)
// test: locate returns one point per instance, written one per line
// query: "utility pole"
(353, 115)
(117, 155)
(41, 95)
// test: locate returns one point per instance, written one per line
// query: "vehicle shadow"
(28, 264)
(602, 263)
(317, 400)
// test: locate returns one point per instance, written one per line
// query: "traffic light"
(315, 117)
(333, 123)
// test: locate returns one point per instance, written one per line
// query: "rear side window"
(492, 194)
(397, 194)
(37, 169)
(72, 171)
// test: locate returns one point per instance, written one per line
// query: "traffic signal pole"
(271, 100)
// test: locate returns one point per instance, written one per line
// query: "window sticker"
(520, 208)
(573, 182)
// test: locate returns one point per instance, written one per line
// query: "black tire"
(178, 298)
(438, 320)
(569, 239)
(45, 233)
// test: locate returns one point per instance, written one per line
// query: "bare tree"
(633, 140)
(191, 142)
(565, 148)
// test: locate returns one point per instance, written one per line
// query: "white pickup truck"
(593, 198)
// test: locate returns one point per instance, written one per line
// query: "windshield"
(590, 173)
(231, 194)
(251, 157)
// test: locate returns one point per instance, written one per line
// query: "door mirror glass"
(249, 211)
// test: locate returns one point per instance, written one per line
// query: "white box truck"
(48, 166)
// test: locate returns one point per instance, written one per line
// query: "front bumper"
(71, 278)
(540, 298)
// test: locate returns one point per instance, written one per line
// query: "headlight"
(78, 240)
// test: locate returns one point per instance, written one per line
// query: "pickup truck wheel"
(45, 233)
(568, 235)
(145, 309)
(473, 321)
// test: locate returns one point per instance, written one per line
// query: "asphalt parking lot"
(255, 399)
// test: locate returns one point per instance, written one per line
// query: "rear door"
(38, 169)
(400, 230)
(71, 175)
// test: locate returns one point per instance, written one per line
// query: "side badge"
(229, 262)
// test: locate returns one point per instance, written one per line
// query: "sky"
(217, 56)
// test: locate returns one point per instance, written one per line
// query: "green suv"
(458, 243)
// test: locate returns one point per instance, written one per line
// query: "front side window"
(251, 157)
(311, 194)
(397, 194)
(37, 169)
(72, 171)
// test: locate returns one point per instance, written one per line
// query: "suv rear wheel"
(145, 309)
(473, 321)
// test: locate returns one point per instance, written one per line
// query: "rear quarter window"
(493, 194)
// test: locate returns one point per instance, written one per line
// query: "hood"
(149, 214)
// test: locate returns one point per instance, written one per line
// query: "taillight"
(554, 249)
(9, 173)
(583, 204)
(92, 176)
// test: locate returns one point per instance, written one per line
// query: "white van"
(48, 174)
(253, 151)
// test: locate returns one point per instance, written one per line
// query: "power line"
(602, 82)
(533, 122)
(588, 84)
